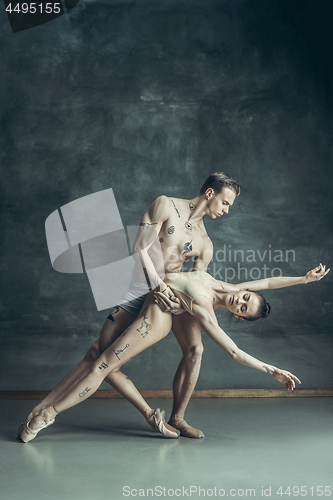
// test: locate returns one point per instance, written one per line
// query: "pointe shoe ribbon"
(157, 422)
(29, 434)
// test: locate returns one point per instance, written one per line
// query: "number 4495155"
(32, 8)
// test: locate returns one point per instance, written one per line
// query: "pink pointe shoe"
(157, 422)
(29, 434)
(31, 415)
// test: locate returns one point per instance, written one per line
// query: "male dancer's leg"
(188, 334)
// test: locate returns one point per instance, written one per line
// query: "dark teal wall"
(149, 98)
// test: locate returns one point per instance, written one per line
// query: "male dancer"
(182, 234)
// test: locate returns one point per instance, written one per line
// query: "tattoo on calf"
(145, 225)
(144, 328)
(84, 392)
(187, 247)
(114, 311)
(188, 226)
(175, 208)
(171, 229)
(118, 351)
(103, 366)
(192, 206)
(266, 368)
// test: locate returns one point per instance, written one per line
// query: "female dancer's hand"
(316, 274)
(168, 304)
(286, 378)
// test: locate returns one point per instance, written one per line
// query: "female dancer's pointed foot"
(156, 421)
(185, 429)
(44, 419)
(31, 415)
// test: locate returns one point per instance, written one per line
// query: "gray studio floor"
(95, 450)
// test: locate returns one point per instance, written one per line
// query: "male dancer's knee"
(93, 353)
(193, 353)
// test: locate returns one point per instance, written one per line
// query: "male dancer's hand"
(168, 303)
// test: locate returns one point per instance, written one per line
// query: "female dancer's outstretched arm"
(204, 313)
(315, 274)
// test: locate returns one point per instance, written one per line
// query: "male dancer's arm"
(147, 238)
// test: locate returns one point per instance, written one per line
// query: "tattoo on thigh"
(187, 247)
(192, 206)
(119, 351)
(171, 229)
(84, 392)
(103, 366)
(175, 208)
(266, 368)
(114, 311)
(144, 328)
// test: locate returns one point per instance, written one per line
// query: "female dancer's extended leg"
(145, 331)
(110, 331)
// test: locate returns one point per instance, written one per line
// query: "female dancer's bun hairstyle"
(263, 310)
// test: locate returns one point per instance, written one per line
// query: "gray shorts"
(132, 301)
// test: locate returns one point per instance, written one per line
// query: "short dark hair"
(263, 309)
(218, 181)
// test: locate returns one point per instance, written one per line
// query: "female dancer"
(199, 294)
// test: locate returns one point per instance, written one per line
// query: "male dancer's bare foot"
(185, 429)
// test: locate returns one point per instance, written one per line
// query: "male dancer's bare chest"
(180, 239)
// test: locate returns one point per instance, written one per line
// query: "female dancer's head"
(248, 305)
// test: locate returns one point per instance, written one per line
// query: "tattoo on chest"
(144, 328)
(119, 351)
(192, 206)
(171, 229)
(187, 247)
(147, 224)
(175, 208)
(188, 226)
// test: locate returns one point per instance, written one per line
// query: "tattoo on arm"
(266, 368)
(176, 208)
(192, 206)
(147, 224)
(187, 247)
(144, 327)
(84, 392)
(118, 351)
(114, 311)
(171, 229)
